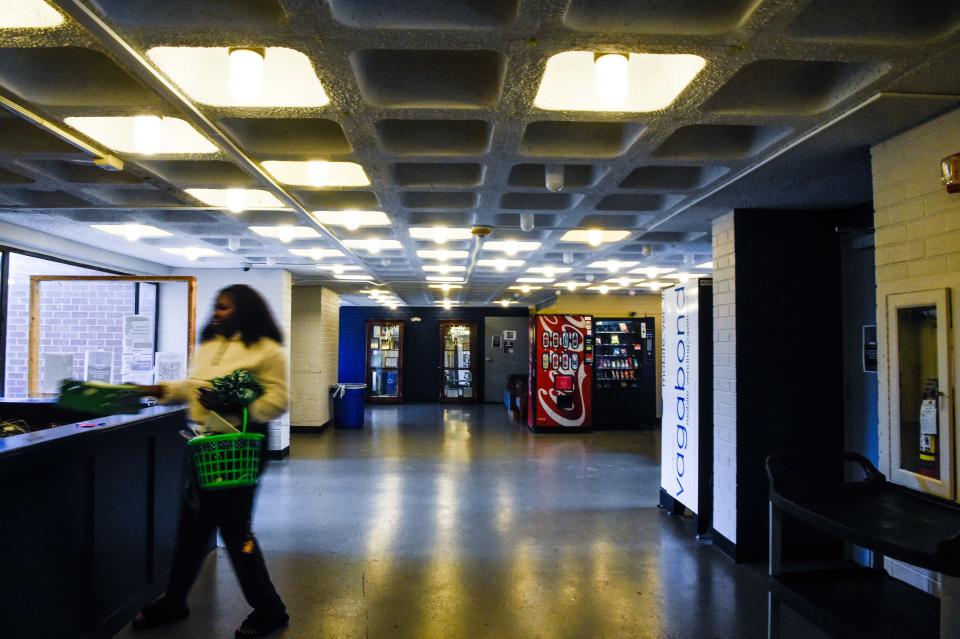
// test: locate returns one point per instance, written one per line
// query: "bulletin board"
(36, 281)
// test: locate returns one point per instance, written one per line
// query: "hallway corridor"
(437, 521)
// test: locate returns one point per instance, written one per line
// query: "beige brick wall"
(918, 248)
(724, 379)
(314, 342)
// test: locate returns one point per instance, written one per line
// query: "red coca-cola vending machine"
(561, 372)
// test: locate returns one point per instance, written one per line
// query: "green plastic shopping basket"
(224, 461)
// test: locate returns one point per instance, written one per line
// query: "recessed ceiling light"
(236, 200)
(635, 82)
(445, 286)
(535, 280)
(353, 277)
(442, 255)
(204, 73)
(583, 236)
(651, 271)
(706, 265)
(504, 303)
(143, 134)
(443, 268)
(316, 253)
(548, 270)
(286, 233)
(500, 264)
(338, 268)
(439, 234)
(374, 245)
(445, 278)
(351, 220)
(623, 281)
(612, 266)
(28, 14)
(192, 253)
(525, 288)
(447, 304)
(656, 286)
(132, 232)
(317, 173)
(571, 285)
(510, 245)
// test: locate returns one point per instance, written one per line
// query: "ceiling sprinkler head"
(567, 257)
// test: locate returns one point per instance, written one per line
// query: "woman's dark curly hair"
(250, 316)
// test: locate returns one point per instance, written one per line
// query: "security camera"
(246, 266)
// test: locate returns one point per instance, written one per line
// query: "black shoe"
(159, 613)
(261, 624)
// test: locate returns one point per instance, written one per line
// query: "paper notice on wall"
(171, 367)
(137, 349)
(98, 367)
(56, 368)
(928, 417)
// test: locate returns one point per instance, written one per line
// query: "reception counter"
(88, 518)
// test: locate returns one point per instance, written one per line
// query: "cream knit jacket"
(221, 356)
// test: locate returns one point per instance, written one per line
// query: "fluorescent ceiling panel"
(445, 287)
(317, 173)
(316, 253)
(353, 277)
(509, 246)
(525, 288)
(223, 198)
(440, 234)
(28, 14)
(193, 252)
(444, 268)
(444, 278)
(534, 280)
(580, 236)
(615, 265)
(286, 233)
(287, 77)
(351, 219)
(383, 245)
(501, 262)
(170, 136)
(549, 270)
(653, 82)
(442, 254)
(651, 271)
(131, 231)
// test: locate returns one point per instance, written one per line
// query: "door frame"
(473, 363)
(377, 399)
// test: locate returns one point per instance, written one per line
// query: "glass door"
(384, 360)
(457, 366)
(921, 419)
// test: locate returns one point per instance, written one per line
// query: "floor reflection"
(435, 521)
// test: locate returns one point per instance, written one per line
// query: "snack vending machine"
(561, 372)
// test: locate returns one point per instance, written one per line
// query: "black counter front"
(88, 517)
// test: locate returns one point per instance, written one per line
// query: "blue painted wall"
(421, 348)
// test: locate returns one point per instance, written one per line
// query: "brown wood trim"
(33, 341)
(473, 362)
(33, 358)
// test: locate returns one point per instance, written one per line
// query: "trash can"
(348, 405)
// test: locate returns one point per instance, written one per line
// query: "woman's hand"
(209, 400)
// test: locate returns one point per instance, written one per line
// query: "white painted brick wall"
(315, 336)
(917, 248)
(724, 379)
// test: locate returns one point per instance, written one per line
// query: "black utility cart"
(846, 599)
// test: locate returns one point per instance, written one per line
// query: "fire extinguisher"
(929, 429)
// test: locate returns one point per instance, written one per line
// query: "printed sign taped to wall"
(679, 452)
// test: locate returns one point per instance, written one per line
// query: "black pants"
(230, 510)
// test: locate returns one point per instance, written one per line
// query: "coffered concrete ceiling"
(436, 101)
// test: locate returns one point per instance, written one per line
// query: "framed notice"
(870, 348)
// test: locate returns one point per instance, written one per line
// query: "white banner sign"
(679, 453)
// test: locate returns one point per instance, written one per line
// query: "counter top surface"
(21, 443)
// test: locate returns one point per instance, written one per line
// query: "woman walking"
(242, 335)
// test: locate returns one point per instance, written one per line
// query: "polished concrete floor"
(439, 521)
